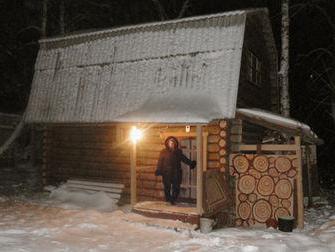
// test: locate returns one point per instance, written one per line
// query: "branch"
(160, 9)
(325, 14)
(184, 8)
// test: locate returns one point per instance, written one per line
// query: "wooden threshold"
(164, 210)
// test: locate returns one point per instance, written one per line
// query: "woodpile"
(264, 187)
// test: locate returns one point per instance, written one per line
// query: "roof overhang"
(277, 122)
(177, 107)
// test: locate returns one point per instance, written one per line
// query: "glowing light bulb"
(135, 134)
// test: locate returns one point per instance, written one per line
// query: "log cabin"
(210, 81)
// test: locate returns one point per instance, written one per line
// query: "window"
(254, 68)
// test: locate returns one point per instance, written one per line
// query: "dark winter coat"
(169, 163)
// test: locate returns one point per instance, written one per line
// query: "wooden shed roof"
(125, 74)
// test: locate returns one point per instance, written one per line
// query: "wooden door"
(189, 180)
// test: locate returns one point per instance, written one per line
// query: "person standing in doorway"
(169, 167)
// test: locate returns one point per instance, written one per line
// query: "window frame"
(254, 68)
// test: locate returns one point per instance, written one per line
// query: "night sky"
(312, 49)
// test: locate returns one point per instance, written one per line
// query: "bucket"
(285, 223)
(206, 225)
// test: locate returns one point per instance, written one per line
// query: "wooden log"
(242, 197)
(283, 164)
(244, 210)
(262, 210)
(252, 197)
(223, 160)
(283, 189)
(286, 203)
(213, 138)
(265, 186)
(222, 143)
(213, 148)
(213, 164)
(273, 172)
(261, 163)
(295, 163)
(223, 124)
(283, 176)
(214, 129)
(271, 161)
(292, 173)
(222, 152)
(223, 133)
(246, 184)
(274, 201)
(240, 163)
(213, 156)
(251, 222)
(238, 222)
(256, 174)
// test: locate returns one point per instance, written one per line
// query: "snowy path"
(27, 226)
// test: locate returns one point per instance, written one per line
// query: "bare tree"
(284, 60)
(163, 12)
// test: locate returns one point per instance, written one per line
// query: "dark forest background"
(312, 48)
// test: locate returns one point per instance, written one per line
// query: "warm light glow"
(135, 134)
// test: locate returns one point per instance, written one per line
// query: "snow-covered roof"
(276, 121)
(134, 73)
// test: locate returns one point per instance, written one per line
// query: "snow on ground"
(66, 223)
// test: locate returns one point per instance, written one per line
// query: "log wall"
(102, 152)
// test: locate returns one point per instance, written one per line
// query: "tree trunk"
(44, 18)
(61, 17)
(160, 8)
(284, 60)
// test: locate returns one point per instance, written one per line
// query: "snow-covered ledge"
(266, 118)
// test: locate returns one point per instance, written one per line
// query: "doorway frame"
(201, 143)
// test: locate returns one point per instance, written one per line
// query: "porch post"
(300, 193)
(133, 174)
(199, 170)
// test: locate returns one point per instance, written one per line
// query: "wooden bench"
(114, 190)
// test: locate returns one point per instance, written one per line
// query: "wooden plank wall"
(250, 94)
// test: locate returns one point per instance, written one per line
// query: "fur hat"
(172, 138)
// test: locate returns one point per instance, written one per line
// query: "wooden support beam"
(199, 170)
(309, 174)
(268, 147)
(300, 192)
(133, 174)
(204, 150)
